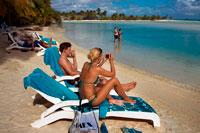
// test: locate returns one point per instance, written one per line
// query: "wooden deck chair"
(66, 100)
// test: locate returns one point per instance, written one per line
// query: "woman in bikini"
(89, 77)
(120, 34)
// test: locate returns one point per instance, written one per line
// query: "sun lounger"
(46, 39)
(17, 46)
(66, 100)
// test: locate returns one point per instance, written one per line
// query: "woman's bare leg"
(126, 87)
(105, 89)
(129, 86)
(110, 98)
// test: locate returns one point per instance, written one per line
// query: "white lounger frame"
(51, 115)
(16, 45)
(38, 36)
(41, 53)
(61, 79)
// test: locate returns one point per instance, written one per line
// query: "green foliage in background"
(28, 12)
(102, 15)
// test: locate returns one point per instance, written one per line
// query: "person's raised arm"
(73, 54)
(110, 73)
(103, 61)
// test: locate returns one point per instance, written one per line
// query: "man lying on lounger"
(67, 67)
(29, 43)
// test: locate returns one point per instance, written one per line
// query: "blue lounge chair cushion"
(44, 83)
(139, 106)
(48, 40)
(127, 130)
(51, 57)
(103, 128)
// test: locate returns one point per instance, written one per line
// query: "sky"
(179, 9)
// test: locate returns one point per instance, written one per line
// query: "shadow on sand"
(11, 54)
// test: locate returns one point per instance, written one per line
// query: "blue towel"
(51, 57)
(127, 130)
(105, 106)
(44, 83)
(48, 40)
(39, 80)
(103, 128)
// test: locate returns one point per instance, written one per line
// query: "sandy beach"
(176, 104)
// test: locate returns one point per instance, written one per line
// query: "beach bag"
(85, 121)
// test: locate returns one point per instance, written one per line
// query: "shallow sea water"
(169, 49)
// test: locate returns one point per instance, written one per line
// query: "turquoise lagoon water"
(169, 49)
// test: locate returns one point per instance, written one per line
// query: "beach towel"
(103, 128)
(105, 106)
(42, 82)
(127, 130)
(48, 40)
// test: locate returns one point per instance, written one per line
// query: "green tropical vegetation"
(102, 15)
(39, 12)
(28, 12)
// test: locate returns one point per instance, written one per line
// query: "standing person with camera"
(89, 78)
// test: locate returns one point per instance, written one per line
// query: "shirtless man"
(116, 34)
(67, 67)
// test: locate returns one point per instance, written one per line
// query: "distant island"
(40, 12)
(102, 15)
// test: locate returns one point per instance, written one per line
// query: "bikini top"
(81, 81)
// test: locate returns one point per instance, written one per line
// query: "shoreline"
(177, 105)
(123, 20)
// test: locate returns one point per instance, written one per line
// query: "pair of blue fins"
(42, 82)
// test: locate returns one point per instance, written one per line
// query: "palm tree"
(20, 12)
(122, 16)
(98, 11)
(104, 13)
(114, 16)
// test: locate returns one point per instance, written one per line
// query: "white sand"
(177, 105)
